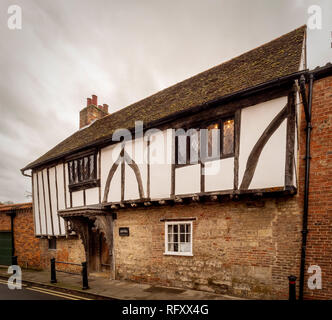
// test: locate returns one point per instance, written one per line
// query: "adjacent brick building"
(31, 251)
(319, 243)
(20, 231)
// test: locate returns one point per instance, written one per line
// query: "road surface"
(34, 293)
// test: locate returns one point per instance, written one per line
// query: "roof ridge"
(202, 72)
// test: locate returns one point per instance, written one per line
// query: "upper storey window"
(82, 172)
(211, 141)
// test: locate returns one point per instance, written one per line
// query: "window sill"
(84, 185)
(181, 254)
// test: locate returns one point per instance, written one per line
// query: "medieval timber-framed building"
(164, 207)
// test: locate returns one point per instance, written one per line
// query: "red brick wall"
(26, 244)
(4, 222)
(319, 248)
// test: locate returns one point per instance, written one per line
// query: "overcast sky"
(122, 51)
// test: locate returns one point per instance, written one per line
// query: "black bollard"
(85, 276)
(292, 288)
(53, 274)
(14, 260)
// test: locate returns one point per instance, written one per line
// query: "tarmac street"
(34, 293)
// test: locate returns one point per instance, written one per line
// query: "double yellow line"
(57, 293)
(50, 292)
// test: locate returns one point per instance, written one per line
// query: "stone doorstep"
(145, 288)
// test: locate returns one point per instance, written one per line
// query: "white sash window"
(178, 238)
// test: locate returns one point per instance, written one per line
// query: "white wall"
(36, 205)
(188, 179)
(160, 164)
(219, 175)
(270, 170)
(47, 202)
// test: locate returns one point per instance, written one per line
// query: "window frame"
(204, 125)
(84, 184)
(52, 242)
(174, 253)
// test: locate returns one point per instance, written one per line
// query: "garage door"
(5, 248)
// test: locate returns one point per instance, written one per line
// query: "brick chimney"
(92, 111)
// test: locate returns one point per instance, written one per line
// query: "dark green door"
(5, 248)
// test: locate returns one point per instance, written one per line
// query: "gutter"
(242, 93)
(307, 104)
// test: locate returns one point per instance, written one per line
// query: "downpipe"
(307, 108)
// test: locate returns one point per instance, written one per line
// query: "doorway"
(99, 258)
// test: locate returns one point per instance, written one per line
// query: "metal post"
(14, 260)
(292, 288)
(53, 274)
(85, 276)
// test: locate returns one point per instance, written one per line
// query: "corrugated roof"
(274, 59)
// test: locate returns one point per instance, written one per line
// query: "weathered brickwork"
(67, 250)
(26, 244)
(319, 248)
(4, 222)
(245, 248)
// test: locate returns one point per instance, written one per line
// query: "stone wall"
(246, 248)
(67, 250)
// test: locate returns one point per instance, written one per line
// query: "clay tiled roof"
(16, 206)
(275, 59)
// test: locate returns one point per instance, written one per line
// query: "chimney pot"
(94, 100)
(105, 107)
(90, 114)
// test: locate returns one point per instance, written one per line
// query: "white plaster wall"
(114, 194)
(108, 156)
(188, 179)
(160, 164)
(270, 170)
(66, 186)
(36, 205)
(47, 204)
(254, 120)
(61, 187)
(61, 195)
(77, 198)
(137, 150)
(219, 175)
(41, 203)
(92, 196)
(54, 205)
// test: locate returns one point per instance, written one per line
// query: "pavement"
(103, 288)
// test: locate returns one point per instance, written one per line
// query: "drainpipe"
(307, 108)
